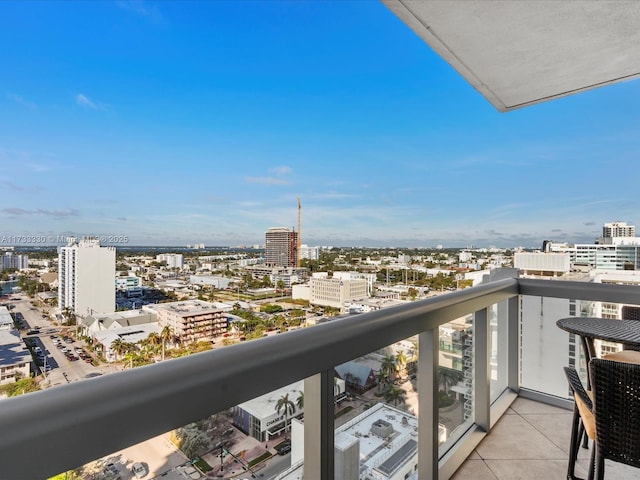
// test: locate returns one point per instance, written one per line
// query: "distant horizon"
(204, 122)
(260, 246)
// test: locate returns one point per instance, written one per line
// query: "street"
(63, 371)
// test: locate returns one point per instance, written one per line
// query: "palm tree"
(153, 341)
(389, 366)
(383, 378)
(448, 378)
(287, 406)
(165, 335)
(394, 395)
(300, 400)
(401, 361)
(118, 346)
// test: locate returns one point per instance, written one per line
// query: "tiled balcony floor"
(530, 442)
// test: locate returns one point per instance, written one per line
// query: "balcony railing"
(55, 430)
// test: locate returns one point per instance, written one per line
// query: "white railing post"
(481, 370)
(319, 426)
(428, 360)
(513, 362)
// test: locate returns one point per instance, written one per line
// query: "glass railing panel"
(545, 348)
(376, 406)
(259, 438)
(160, 457)
(455, 379)
(498, 348)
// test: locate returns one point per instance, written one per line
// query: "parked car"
(112, 471)
(191, 472)
(139, 470)
(284, 448)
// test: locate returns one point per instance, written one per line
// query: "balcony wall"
(126, 408)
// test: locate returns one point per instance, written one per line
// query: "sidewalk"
(246, 449)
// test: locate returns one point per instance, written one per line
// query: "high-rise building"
(310, 253)
(618, 229)
(85, 277)
(281, 247)
(174, 260)
(13, 260)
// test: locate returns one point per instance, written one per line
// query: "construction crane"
(299, 236)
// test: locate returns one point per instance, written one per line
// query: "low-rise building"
(336, 292)
(15, 359)
(379, 444)
(95, 323)
(211, 281)
(193, 320)
(260, 417)
(547, 264)
(129, 282)
(288, 275)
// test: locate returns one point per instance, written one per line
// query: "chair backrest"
(616, 407)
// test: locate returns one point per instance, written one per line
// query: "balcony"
(519, 409)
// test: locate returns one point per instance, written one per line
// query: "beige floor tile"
(525, 406)
(474, 469)
(528, 469)
(556, 427)
(515, 438)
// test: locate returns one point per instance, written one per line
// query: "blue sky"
(203, 122)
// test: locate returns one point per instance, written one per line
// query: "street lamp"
(221, 457)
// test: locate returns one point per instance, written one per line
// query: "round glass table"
(626, 332)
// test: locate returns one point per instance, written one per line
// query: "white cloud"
(84, 101)
(267, 180)
(141, 8)
(276, 177)
(284, 170)
(21, 101)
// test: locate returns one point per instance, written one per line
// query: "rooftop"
(191, 307)
(264, 405)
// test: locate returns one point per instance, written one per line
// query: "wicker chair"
(583, 421)
(616, 408)
(615, 388)
(584, 425)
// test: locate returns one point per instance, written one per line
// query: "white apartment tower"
(281, 247)
(85, 277)
(618, 229)
(174, 260)
(12, 260)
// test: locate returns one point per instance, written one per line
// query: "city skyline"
(178, 123)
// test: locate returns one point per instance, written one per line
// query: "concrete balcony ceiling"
(518, 53)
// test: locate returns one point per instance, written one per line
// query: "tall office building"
(618, 229)
(85, 277)
(281, 247)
